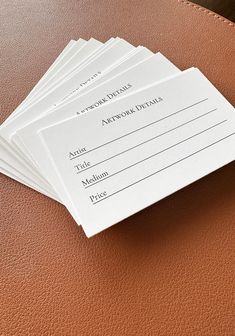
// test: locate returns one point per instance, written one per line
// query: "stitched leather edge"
(207, 12)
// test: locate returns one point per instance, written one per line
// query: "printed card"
(139, 149)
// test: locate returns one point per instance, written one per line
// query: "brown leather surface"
(168, 270)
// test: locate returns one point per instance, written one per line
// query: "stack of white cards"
(112, 128)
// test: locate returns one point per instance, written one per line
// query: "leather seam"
(208, 12)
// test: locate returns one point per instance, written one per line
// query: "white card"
(144, 73)
(141, 148)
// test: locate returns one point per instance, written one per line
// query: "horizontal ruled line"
(138, 129)
(144, 142)
(172, 164)
(160, 152)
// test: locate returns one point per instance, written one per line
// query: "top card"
(140, 149)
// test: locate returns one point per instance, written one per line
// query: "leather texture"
(167, 270)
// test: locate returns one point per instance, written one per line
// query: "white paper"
(141, 148)
(154, 68)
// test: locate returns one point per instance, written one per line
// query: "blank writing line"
(138, 129)
(160, 152)
(146, 141)
(174, 163)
